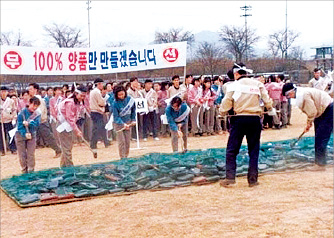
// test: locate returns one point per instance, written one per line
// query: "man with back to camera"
(244, 96)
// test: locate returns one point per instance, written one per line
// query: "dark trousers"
(98, 130)
(150, 118)
(323, 127)
(87, 128)
(288, 114)
(249, 126)
(46, 134)
(7, 127)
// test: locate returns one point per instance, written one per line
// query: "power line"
(246, 8)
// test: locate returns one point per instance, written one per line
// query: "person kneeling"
(177, 116)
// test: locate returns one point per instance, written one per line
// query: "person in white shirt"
(97, 109)
(151, 117)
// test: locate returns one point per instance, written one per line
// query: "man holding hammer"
(244, 97)
(318, 106)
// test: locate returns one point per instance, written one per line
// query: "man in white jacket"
(8, 113)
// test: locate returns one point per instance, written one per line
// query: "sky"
(135, 22)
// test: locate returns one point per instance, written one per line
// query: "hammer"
(294, 142)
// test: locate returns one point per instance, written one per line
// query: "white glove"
(272, 112)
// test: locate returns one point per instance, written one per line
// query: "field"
(294, 204)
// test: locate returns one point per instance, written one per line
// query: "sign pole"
(3, 135)
(185, 73)
(138, 147)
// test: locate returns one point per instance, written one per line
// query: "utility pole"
(246, 8)
(286, 29)
(88, 8)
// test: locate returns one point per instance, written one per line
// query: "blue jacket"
(110, 101)
(118, 106)
(47, 102)
(33, 124)
(172, 115)
(220, 96)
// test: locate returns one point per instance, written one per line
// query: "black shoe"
(95, 154)
(227, 183)
(14, 152)
(253, 184)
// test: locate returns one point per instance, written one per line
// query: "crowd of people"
(57, 117)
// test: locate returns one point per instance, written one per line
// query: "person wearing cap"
(68, 113)
(318, 106)
(8, 112)
(44, 129)
(97, 109)
(244, 97)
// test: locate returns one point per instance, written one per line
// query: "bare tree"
(297, 53)
(234, 39)
(15, 39)
(174, 35)
(281, 41)
(209, 56)
(65, 36)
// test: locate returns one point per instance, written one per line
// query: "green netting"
(153, 171)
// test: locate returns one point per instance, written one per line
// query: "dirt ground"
(294, 204)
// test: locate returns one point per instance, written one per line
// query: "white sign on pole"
(141, 105)
(19, 60)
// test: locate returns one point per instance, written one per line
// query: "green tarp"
(153, 171)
